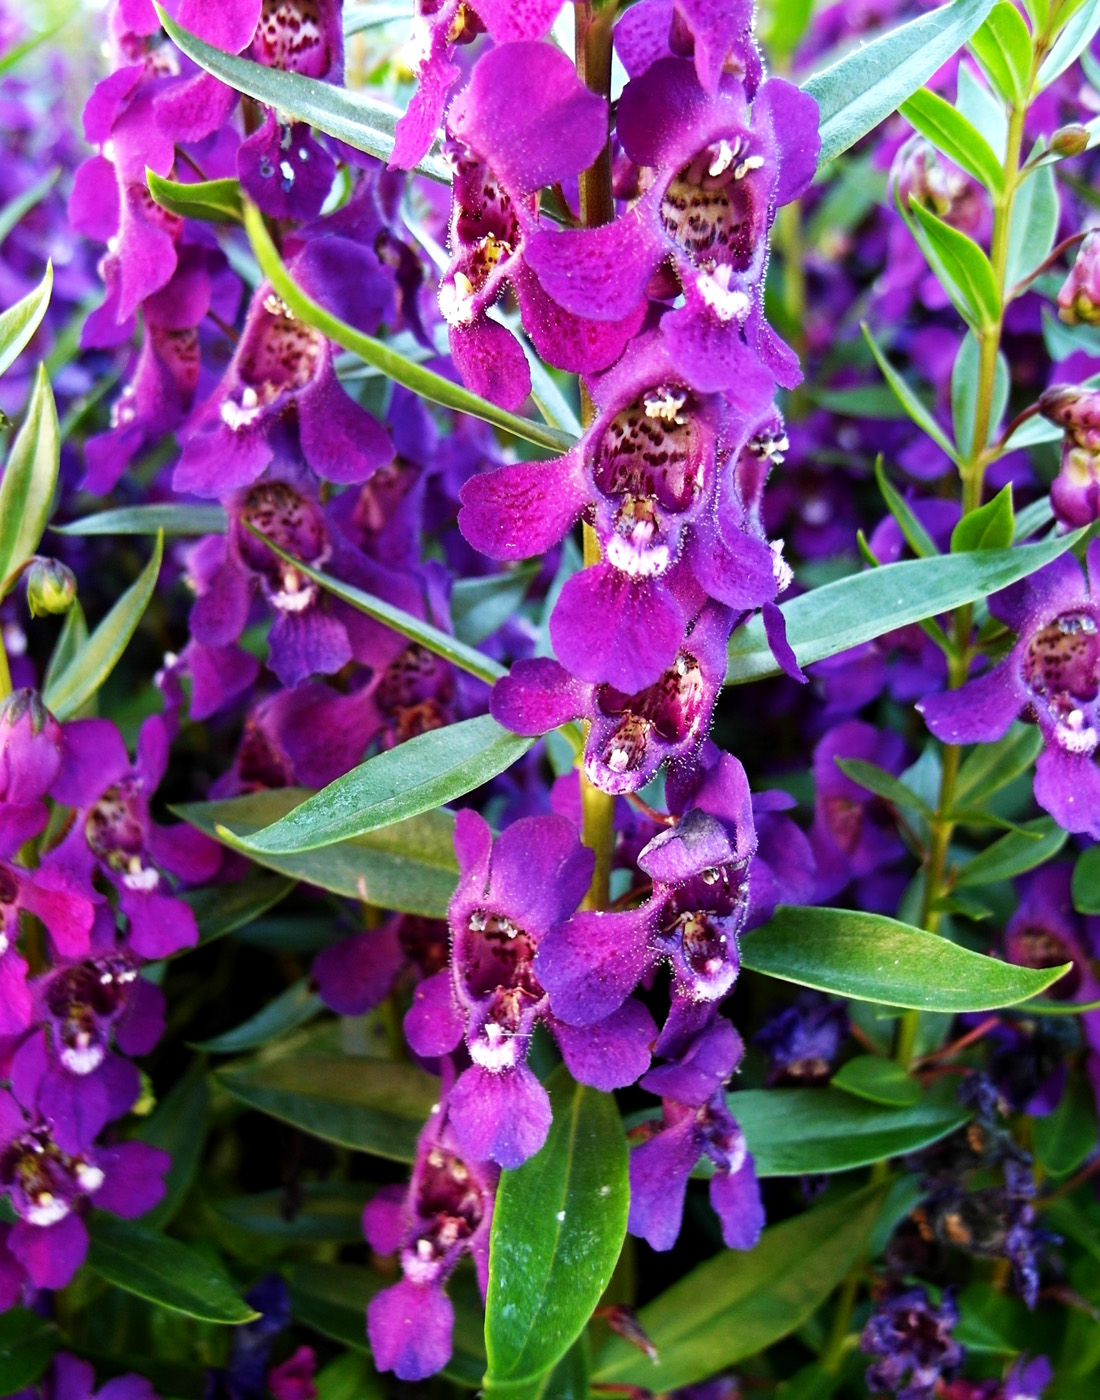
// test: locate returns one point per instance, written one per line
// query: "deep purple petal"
(357, 974)
(502, 1118)
(523, 508)
(735, 1197)
(540, 872)
(980, 711)
(409, 1326)
(1067, 786)
(491, 362)
(434, 1023)
(537, 696)
(659, 1172)
(609, 627)
(134, 1178)
(52, 1254)
(600, 272)
(591, 964)
(612, 1053)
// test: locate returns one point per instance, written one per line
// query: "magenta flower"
(1079, 297)
(723, 166)
(525, 120)
(715, 34)
(445, 1215)
(1075, 491)
(1051, 676)
(511, 895)
(74, 1379)
(88, 1006)
(30, 748)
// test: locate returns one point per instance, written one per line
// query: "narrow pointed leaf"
(866, 85)
(1033, 227)
(18, 208)
(736, 1304)
(29, 481)
(989, 767)
(173, 517)
(425, 382)
(877, 1080)
(1003, 48)
(19, 322)
(324, 1211)
(164, 1271)
(409, 866)
(1065, 1138)
(558, 1225)
(293, 1008)
(873, 958)
(27, 1346)
(883, 784)
(423, 773)
(362, 121)
(178, 1126)
(989, 527)
(221, 909)
(1074, 38)
(950, 132)
(479, 606)
(1086, 881)
(863, 606)
(961, 266)
(916, 536)
(376, 1106)
(909, 399)
(211, 201)
(1017, 851)
(99, 655)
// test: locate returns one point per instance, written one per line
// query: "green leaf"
(916, 536)
(211, 201)
(348, 114)
(874, 958)
(425, 382)
(908, 398)
(29, 481)
(982, 109)
(878, 1080)
(1074, 38)
(1002, 45)
(1086, 881)
(736, 1304)
(291, 1009)
(799, 1132)
(17, 209)
(222, 909)
(27, 1346)
(558, 1225)
(990, 767)
(178, 1126)
(1032, 228)
(349, 1377)
(20, 321)
(73, 635)
(883, 784)
(315, 1211)
(964, 389)
(863, 606)
(1036, 843)
(423, 773)
(173, 517)
(18, 52)
(989, 527)
(568, 1380)
(871, 81)
(961, 266)
(950, 132)
(431, 638)
(164, 1271)
(409, 866)
(97, 658)
(480, 605)
(1063, 1139)
(376, 1106)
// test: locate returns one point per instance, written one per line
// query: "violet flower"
(1075, 491)
(722, 167)
(715, 34)
(803, 1039)
(74, 1379)
(1051, 676)
(1079, 296)
(88, 1006)
(30, 748)
(445, 1214)
(511, 895)
(912, 1341)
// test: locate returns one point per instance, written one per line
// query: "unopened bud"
(51, 587)
(1079, 298)
(30, 747)
(1070, 140)
(1075, 491)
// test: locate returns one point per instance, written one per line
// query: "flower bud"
(1075, 491)
(1079, 299)
(30, 747)
(51, 587)
(1070, 140)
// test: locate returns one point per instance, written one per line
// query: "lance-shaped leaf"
(861, 607)
(27, 1346)
(164, 1271)
(736, 1304)
(221, 909)
(1072, 41)
(425, 772)
(1002, 46)
(866, 85)
(873, 958)
(210, 201)
(376, 1106)
(16, 210)
(916, 536)
(558, 1225)
(915, 406)
(355, 117)
(877, 1080)
(178, 1127)
(325, 1211)
(1033, 844)
(173, 517)
(409, 866)
(99, 655)
(29, 481)
(950, 132)
(291, 1009)
(961, 266)
(425, 382)
(19, 322)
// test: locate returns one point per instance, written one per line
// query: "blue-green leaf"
(1017, 851)
(173, 517)
(320, 1212)
(916, 536)
(1086, 881)
(963, 269)
(965, 378)
(873, 958)
(1032, 228)
(28, 484)
(1074, 38)
(989, 527)
(19, 322)
(910, 400)
(558, 1225)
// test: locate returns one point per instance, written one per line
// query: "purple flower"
(628, 736)
(293, 1378)
(113, 834)
(438, 26)
(803, 1039)
(715, 34)
(1079, 297)
(445, 1214)
(1051, 676)
(358, 973)
(86, 1006)
(913, 1343)
(525, 120)
(73, 1379)
(30, 747)
(511, 895)
(279, 396)
(1075, 491)
(722, 168)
